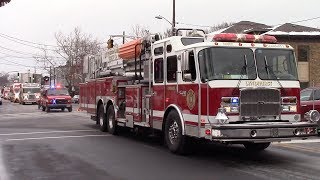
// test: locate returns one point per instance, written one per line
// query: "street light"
(172, 25)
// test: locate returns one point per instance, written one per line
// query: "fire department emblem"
(191, 99)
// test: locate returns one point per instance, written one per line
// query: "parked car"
(310, 99)
(75, 99)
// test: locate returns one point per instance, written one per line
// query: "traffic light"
(46, 79)
(110, 43)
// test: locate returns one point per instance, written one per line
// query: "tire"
(102, 120)
(175, 141)
(70, 109)
(62, 109)
(256, 147)
(112, 124)
(43, 108)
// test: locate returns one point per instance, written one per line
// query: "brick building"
(305, 41)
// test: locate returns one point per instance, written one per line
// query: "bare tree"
(69, 56)
(73, 48)
(4, 79)
(139, 31)
(219, 26)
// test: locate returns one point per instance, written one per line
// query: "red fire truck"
(228, 88)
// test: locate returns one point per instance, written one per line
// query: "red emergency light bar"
(246, 38)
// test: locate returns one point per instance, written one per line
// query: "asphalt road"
(63, 145)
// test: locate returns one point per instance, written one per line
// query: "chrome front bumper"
(258, 132)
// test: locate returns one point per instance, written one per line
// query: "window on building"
(158, 70)
(303, 53)
(172, 69)
(304, 85)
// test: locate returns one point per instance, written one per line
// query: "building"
(305, 41)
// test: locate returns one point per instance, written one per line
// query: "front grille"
(61, 101)
(260, 102)
(31, 97)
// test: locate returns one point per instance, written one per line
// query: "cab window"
(192, 67)
(158, 70)
(172, 69)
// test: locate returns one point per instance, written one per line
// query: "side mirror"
(185, 62)
(187, 76)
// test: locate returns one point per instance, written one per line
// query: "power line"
(16, 41)
(19, 52)
(14, 63)
(40, 44)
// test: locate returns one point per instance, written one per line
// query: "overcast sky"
(38, 20)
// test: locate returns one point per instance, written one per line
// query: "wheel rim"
(174, 132)
(110, 121)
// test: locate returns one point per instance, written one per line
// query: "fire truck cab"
(228, 88)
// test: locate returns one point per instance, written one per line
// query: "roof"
(246, 27)
(3, 2)
(294, 29)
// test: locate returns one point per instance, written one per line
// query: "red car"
(310, 98)
(55, 98)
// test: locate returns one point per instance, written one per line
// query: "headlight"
(289, 108)
(289, 104)
(230, 104)
(25, 97)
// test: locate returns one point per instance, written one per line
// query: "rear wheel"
(174, 139)
(256, 147)
(102, 120)
(112, 124)
(70, 109)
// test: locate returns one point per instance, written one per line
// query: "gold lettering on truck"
(258, 83)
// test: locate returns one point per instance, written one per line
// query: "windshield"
(276, 64)
(31, 90)
(58, 92)
(227, 63)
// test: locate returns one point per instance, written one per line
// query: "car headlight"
(25, 97)
(289, 104)
(230, 104)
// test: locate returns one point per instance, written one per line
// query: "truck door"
(188, 97)
(158, 95)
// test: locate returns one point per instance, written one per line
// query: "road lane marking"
(47, 132)
(59, 137)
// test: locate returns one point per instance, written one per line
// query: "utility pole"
(173, 17)
(50, 77)
(54, 76)
(123, 38)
